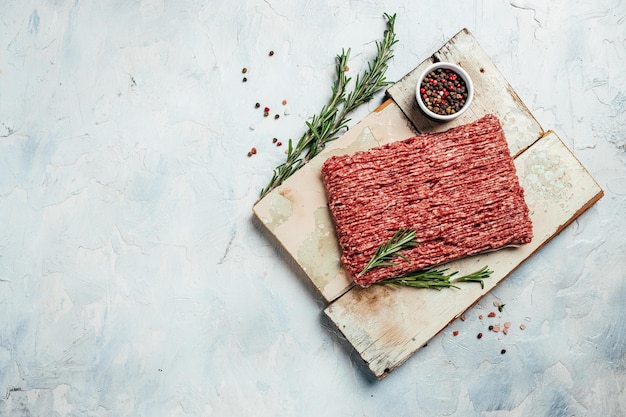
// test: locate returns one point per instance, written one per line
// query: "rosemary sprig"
(478, 276)
(324, 127)
(437, 279)
(402, 239)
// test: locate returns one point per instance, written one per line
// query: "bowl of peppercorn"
(444, 91)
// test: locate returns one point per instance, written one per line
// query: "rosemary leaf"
(437, 279)
(402, 239)
(332, 119)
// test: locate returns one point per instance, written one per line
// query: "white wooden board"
(492, 94)
(386, 325)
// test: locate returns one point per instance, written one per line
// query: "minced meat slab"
(457, 189)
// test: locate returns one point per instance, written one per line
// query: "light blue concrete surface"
(133, 281)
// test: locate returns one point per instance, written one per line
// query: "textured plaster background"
(133, 281)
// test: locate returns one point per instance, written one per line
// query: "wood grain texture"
(493, 94)
(387, 325)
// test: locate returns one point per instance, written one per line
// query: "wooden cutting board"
(387, 325)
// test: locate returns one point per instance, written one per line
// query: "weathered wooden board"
(493, 94)
(376, 320)
(387, 325)
(297, 214)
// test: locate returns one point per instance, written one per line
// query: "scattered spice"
(284, 102)
(253, 151)
(507, 324)
(274, 140)
(479, 335)
(276, 116)
(490, 328)
(522, 326)
(496, 303)
(496, 328)
(257, 105)
(244, 79)
(244, 70)
(266, 110)
(279, 144)
(463, 317)
(266, 113)
(492, 314)
(443, 91)
(503, 351)
(455, 333)
(505, 330)
(480, 316)
(271, 53)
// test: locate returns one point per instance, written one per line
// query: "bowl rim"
(461, 72)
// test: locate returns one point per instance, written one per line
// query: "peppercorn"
(279, 144)
(435, 92)
(479, 335)
(244, 70)
(265, 114)
(284, 103)
(274, 140)
(490, 328)
(266, 110)
(271, 53)
(244, 79)
(503, 351)
(253, 151)
(276, 116)
(257, 105)
(455, 333)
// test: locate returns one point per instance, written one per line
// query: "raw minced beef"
(457, 189)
